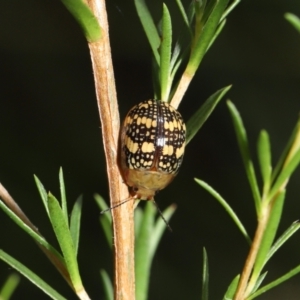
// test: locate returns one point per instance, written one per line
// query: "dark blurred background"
(49, 118)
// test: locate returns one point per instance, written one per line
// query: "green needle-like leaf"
(103, 206)
(149, 27)
(264, 158)
(202, 114)
(232, 288)
(285, 174)
(227, 207)
(9, 286)
(42, 193)
(269, 235)
(142, 252)
(282, 239)
(217, 33)
(75, 223)
(147, 239)
(191, 12)
(105, 219)
(259, 281)
(229, 9)
(245, 152)
(138, 217)
(62, 187)
(286, 150)
(31, 276)
(205, 9)
(294, 20)
(108, 288)
(275, 283)
(204, 35)
(65, 241)
(159, 229)
(176, 59)
(165, 55)
(184, 15)
(180, 52)
(205, 276)
(84, 16)
(38, 238)
(202, 8)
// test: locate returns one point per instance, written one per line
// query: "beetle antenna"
(117, 205)
(162, 216)
(127, 200)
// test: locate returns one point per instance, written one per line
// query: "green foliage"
(207, 21)
(30, 276)
(85, 17)
(201, 25)
(245, 152)
(282, 239)
(67, 236)
(265, 160)
(294, 20)
(30, 231)
(269, 204)
(165, 54)
(107, 284)
(202, 114)
(275, 283)
(75, 223)
(232, 288)
(268, 236)
(65, 240)
(226, 206)
(105, 219)
(147, 240)
(205, 276)
(9, 286)
(149, 27)
(148, 233)
(63, 197)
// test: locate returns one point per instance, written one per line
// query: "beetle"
(152, 147)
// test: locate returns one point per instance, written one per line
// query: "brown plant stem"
(123, 226)
(183, 85)
(240, 293)
(244, 287)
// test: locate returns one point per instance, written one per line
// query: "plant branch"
(245, 286)
(124, 283)
(181, 89)
(262, 223)
(11, 203)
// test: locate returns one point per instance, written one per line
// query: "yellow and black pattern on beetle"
(152, 147)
